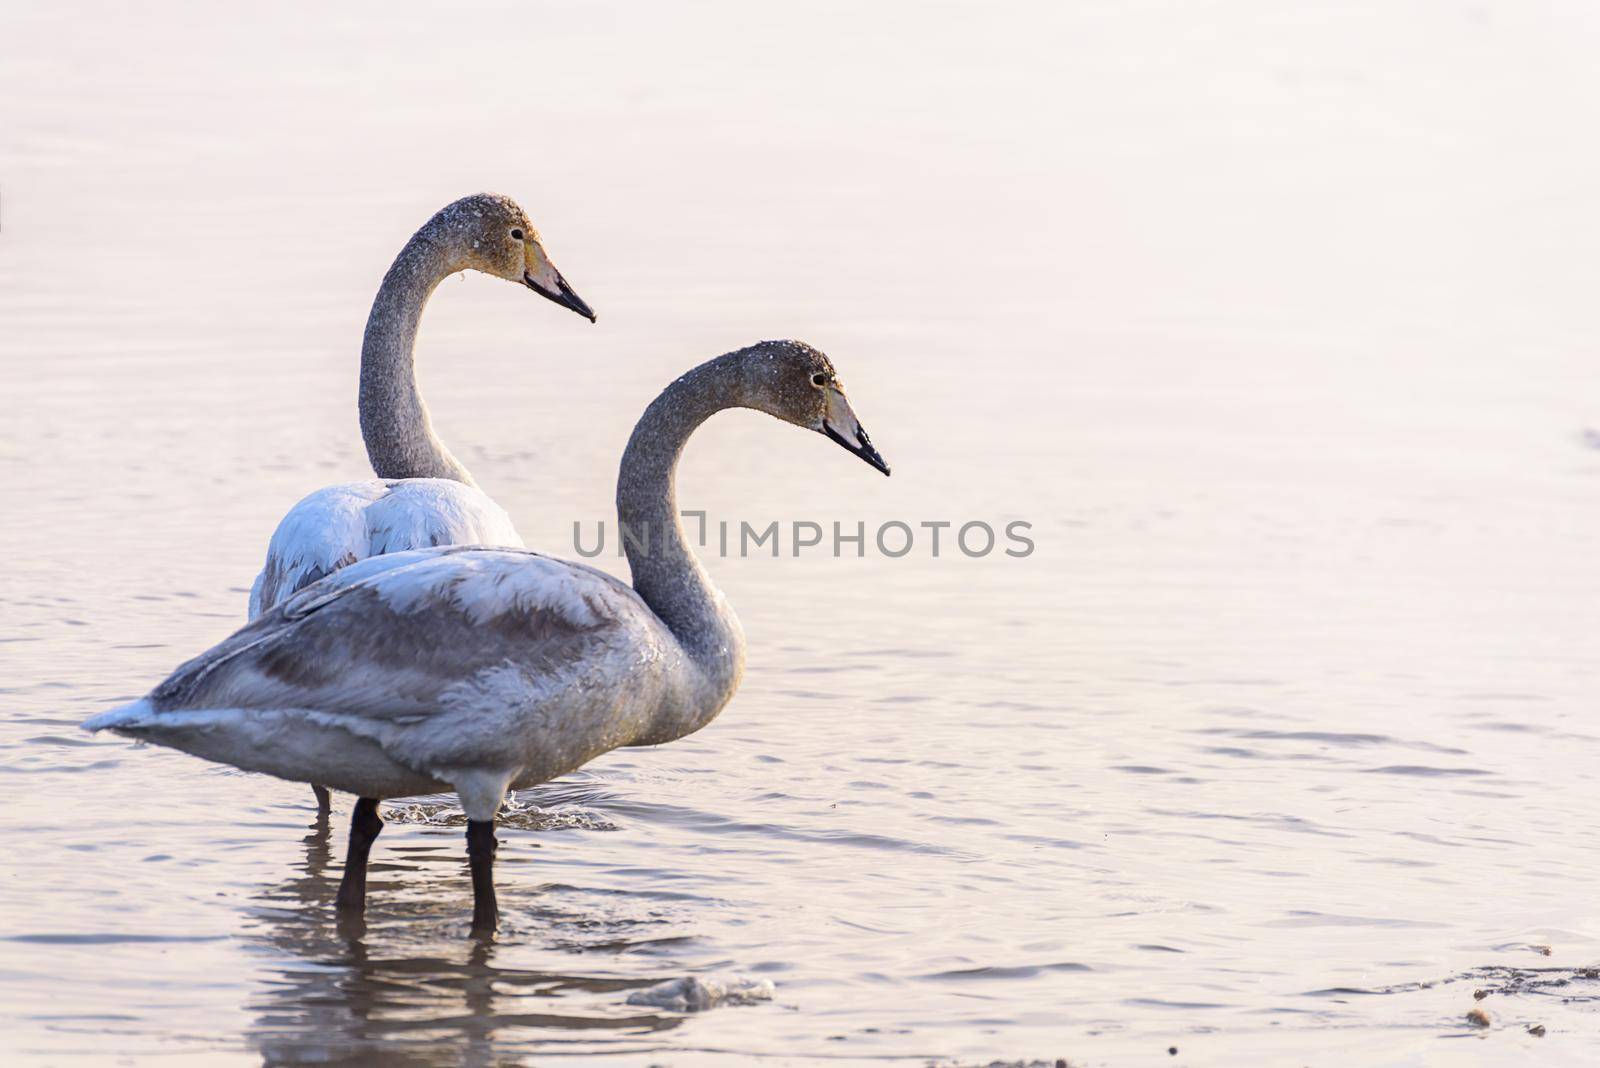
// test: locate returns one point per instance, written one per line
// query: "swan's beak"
(840, 424)
(541, 276)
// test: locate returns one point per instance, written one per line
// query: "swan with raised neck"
(484, 670)
(423, 495)
(485, 232)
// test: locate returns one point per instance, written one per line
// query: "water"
(1274, 324)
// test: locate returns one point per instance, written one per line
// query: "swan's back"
(339, 525)
(394, 674)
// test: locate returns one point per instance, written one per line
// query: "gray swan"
(423, 496)
(486, 670)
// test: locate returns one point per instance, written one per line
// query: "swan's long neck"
(394, 421)
(666, 572)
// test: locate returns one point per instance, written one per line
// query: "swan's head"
(796, 383)
(491, 233)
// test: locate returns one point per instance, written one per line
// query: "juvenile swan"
(423, 496)
(486, 670)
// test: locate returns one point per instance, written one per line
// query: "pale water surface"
(1277, 325)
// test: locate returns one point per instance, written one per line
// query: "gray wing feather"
(392, 638)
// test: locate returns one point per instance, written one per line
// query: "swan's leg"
(481, 845)
(364, 827)
(481, 792)
(324, 800)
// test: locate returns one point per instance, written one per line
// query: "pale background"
(1276, 321)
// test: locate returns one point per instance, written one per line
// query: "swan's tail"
(128, 717)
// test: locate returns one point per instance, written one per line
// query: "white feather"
(340, 525)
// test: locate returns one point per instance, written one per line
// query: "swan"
(483, 670)
(423, 496)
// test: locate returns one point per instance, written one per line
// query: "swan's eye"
(819, 379)
(516, 235)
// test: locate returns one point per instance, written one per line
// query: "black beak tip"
(870, 453)
(563, 296)
(862, 447)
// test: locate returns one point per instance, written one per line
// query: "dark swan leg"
(324, 800)
(480, 854)
(364, 827)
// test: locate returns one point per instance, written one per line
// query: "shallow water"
(1275, 326)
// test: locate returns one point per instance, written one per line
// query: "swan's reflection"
(414, 990)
